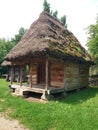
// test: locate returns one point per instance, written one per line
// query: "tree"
(18, 36)
(46, 6)
(92, 44)
(7, 45)
(63, 19)
(55, 13)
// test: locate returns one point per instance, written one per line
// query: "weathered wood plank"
(20, 75)
(33, 74)
(75, 76)
(47, 74)
(57, 74)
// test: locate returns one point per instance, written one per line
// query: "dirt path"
(7, 124)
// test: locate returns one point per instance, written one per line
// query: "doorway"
(41, 73)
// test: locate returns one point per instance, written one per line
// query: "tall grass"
(77, 111)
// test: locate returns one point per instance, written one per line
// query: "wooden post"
(47, 74)
(31, 75)
(20, 75)
(11, 80)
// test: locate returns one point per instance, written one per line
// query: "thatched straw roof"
(49, 36)
(6, 63)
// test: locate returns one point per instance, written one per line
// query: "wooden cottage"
(56, 60)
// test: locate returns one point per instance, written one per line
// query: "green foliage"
(46, 6)
(5, 46)
(18, 36)
(55, 13)
(92, 43)
(63, 19)
(77, 111)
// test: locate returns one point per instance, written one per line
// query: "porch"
(25, 89)
(44, 77)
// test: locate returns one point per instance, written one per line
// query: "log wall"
(71, 76)
(68, 75)
(33, 72)
(75, 76)
(57, 75)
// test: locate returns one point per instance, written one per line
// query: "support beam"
(20, 75)
(12, 68)
(47, 74)
(31, 76)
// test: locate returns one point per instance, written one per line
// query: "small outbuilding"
(16, 71)
(56, 60)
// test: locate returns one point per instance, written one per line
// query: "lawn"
(78, 111)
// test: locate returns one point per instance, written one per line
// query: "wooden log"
(12, 76)
(20, 75)
(31, 75)
(57, 84)
(47, 74)
(57, 74)
(34, 74)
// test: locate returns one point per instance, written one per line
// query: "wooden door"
(41, 73)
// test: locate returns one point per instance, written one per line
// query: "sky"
(15, 14)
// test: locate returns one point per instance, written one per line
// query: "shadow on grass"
(84, 94)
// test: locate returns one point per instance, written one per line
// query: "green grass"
(78, 111)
